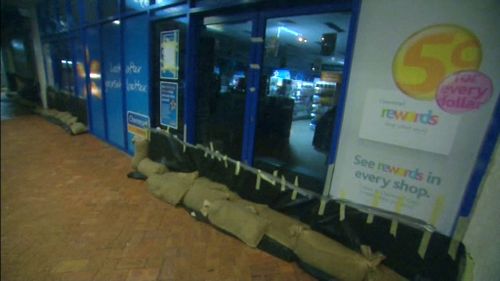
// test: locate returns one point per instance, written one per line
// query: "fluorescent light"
(95, 75)
(117, 22)
(286, 29)
(63, 61)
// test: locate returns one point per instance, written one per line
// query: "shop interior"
(300, 83)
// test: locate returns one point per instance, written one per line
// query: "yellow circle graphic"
(430, 55)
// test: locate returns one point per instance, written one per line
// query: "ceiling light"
(305, 40)
(117, 22)
(300, 38)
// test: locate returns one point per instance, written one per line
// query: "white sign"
(390, 117)
(420, 100)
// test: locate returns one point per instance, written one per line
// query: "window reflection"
(224, 52)
(302, 69)
(136, 5)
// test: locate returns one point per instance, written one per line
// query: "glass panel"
(65, 60)
(62, 24)
(208, 3)
(80, 89)
(303, 66)
(168, 64)
(136, 5)
(91, 10)
(95, 88)
(224, 58)
(109, 8)
(75, 13)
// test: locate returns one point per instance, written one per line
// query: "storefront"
(261, 86)
(365, 104)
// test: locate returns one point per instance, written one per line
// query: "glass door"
(300, 84)
(223, 75)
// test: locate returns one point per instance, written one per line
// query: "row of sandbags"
(64, 119)
(250, 222)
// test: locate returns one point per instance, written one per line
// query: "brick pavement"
(68, 212)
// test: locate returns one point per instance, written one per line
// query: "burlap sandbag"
(51, 113)
(141, 151)
(69, 120)
(282, 228)
(148, 167)
(331, 257)
(238, 220)
(78, 128)
(62, 115)
(205, 189)
(383, 273)
(171, 187)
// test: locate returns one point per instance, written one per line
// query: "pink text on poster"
(464, 91)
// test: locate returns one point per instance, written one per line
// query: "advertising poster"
(169, 110)
(418, 105)
(169, 54)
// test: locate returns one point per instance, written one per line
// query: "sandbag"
(205, 189)
(331, 257)
(282, 228)
(238, 220)
(49, 112)
(171, 187)
(70, 120)
(383, 273)
(62, 115)
(141, 151)
(148, 167)
(78, 128)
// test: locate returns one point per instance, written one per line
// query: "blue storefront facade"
(289, 86)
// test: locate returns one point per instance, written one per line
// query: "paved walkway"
(68, 212)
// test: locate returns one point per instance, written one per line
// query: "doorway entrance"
(268, 85)
(224, 58)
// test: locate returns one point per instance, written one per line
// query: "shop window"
(302, 71)
(136, 5)
(223, 65)
(91, 10)
(49, 69)
(75, 13)
(62, 23)
(206, 3)
(65, 61)
(109, 8)
(81, 73)
(50, 17)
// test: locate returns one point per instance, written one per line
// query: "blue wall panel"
(136, 66)
(111, 68)
(96, 104)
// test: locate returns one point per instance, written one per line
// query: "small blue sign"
(169, 104)
(137, 124)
